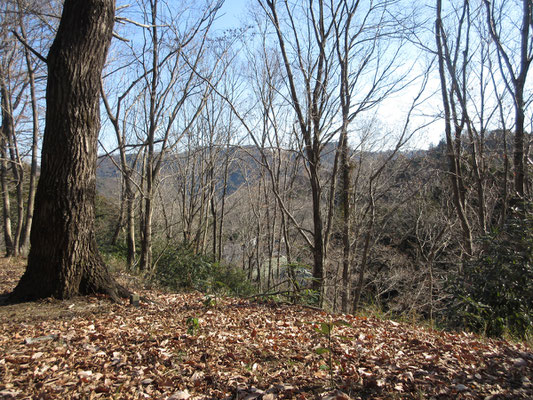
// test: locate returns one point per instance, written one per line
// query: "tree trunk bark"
(222, 210)
(120, 220)
(518, 156)
(64, 261)
(130, 221)
(7, 126)
(318, 230)
(364, 260)
(146, 241)
(346, 227)
(18, 178)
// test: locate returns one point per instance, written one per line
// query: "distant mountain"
(245, 164)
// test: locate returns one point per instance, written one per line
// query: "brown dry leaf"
(101, 350)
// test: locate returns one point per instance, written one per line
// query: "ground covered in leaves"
(181, 347)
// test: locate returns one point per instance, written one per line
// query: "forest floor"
(179, 348)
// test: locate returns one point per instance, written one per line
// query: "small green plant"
(210, 301)
(325, 329)
(214, 289)
(309, 297)
(192, 325)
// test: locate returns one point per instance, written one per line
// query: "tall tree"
(177, 50)
(12, 86)
(317, 42)
(514, 65)
(453, 139)
(19, 92)
(31, 69)
(313, 107)
(64, 260)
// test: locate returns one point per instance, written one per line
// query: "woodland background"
(283, 157)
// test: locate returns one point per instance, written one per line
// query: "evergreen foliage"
(495, 294)
(181, 268)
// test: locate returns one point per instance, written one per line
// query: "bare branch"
(35, 52)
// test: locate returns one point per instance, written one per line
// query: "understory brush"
(114, 256)
(180, 268)
(494, 294)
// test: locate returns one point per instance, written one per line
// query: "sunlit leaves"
(181, 348)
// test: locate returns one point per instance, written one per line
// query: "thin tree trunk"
(318, 238)
(18, 177)
(518, 79)
(7, 125)
(120, 221)
(130, 222)
(24, 240)
(346, 215)
(364, 261)
(222, 209)
(452, 153)
(518, 155)
(146, 243)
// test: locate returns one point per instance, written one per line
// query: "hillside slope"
(88, 348)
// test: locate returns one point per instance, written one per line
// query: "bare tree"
(12, 87)
(318, 42)
(33, 65)
(451, 116)
(24, 31)
(515, 56)
(170, 82)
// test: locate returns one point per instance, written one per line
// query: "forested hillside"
(413, 255)
(307, 200)
(350, 156)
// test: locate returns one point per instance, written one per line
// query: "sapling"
(192, 325)
(326, 330)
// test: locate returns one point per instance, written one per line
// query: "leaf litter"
(89, 348)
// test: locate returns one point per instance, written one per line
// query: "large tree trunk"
(63, 260)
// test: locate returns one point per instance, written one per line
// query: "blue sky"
(231, 14)
(392, 111)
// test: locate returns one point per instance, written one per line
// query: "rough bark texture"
(63, 260)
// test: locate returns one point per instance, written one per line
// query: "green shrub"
(494, 295)
(106, 216)
(180, 268)
(114, 256)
